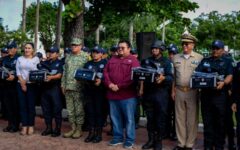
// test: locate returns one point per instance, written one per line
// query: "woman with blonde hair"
(26, 89)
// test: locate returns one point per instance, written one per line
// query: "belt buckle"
(185, 89)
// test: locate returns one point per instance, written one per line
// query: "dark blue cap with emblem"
(11, 44)
(98, 49)
(54, 49)
(67, 50)
(114, 48)
(172, 48)
(4, 50)
(217, 44)
(85, 49)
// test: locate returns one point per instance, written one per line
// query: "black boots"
(57, 131)
(90, 136)
(157, 141)
(94, 135)
(98, 135)
(47, 131)
(150, 142)
(54, 133)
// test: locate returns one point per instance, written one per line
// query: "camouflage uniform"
(73, 88)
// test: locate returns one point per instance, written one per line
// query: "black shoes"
(47, 131)
(11, 129)
(95, 135)
(56, 132)
(179, 148)
(90, 136)
(150, 142)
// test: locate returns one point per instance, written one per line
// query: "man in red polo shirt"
(122, 94)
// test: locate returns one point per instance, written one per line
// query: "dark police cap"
(54, 49)
(133, 51)
(39, 55)
(85, 49)
(172, 48)
(158, 44)
(67, 50)
(11, 44)
(4, 50)
(217, 44)
(114, 48)
(97, 49)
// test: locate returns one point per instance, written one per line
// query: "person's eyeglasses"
(121, 48)
(185, 44)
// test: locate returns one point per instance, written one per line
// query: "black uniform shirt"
(164, 63)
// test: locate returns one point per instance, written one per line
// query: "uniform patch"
(206, 64)
(90, 67)
(196, 62)
(101, 66)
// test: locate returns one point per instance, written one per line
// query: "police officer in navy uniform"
(214, 100)
(51, 100)
(230, 132)
(236, 99)
(170, 128)
(10, 100)
(95, 102)
(156, 96)
(4, 53)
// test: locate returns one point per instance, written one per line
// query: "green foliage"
(72, 10)
(47, 22)
(212, 26)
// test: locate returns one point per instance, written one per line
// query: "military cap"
(76, 41)
(217, 44)
(188, 37)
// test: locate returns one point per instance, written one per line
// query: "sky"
(11, 10)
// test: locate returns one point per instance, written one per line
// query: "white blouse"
(25, 65)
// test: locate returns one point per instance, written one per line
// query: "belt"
(184, 88)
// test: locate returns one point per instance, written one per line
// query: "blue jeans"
(27, 104)
(122, 115)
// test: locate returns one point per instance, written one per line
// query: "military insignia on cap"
(188, 37)
(101, 66)
(90, 67)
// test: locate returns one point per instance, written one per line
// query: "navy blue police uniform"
(51, 100)
(214, 102)
(95, 102)
(236, 98)
(155, 99)
(10, 100)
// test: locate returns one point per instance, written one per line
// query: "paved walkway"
(15, 141)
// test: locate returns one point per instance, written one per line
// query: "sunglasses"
(185, 44)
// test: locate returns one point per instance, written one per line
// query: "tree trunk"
(24, 17)
(74, 29)
(97, 38)
(131, 32)
(36, 26)
(59, 25)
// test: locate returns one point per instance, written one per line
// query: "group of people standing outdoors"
(168, 96)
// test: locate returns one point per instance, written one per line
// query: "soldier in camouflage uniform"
(72, 89)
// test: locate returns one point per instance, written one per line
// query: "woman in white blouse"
(26, 89)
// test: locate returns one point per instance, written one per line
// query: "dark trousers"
(27, 104)
(229, 122)
(52, 105)
(238, 124)
(94, 109)
(11, 104)
(170, 125)
(3, 108)
(213, 106)
(155, 105)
